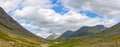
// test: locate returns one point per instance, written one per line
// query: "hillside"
(107, 38)
(53, 36)
(12, 34)
(66, 34)
(86, 30)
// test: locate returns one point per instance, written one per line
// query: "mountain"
(53, 36)
(108, 38)
(12, 34)
(66, 34)
(88, 30)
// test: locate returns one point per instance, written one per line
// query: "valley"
(12, 34)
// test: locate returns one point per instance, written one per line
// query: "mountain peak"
(69, 31)
(3, 14)
(99, 26)
(1, 9)
(88, 30)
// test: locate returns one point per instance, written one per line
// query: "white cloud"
(37, 3)
(42, 32)
(108, 23)
(9, 5)
(110, 9)
(45, 20)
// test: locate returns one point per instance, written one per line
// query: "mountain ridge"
(66, 34)
(109, 37)
(85, 30)
(88, 30)
(12, 31)
(53, 36)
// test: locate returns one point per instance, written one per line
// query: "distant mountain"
(12, 34)
(53, 36)
(109, 37)
(66, 34)
(88, 30)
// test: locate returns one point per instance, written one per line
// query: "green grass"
(16, 41)
(7, 39)
(107, 38)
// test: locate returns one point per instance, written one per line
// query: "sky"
(45, 17)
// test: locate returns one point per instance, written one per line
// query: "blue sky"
(59, 8)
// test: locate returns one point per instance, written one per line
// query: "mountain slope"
(88, 30)
(66, 34)
(12, 33)
(53, 36)
(107, 38)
